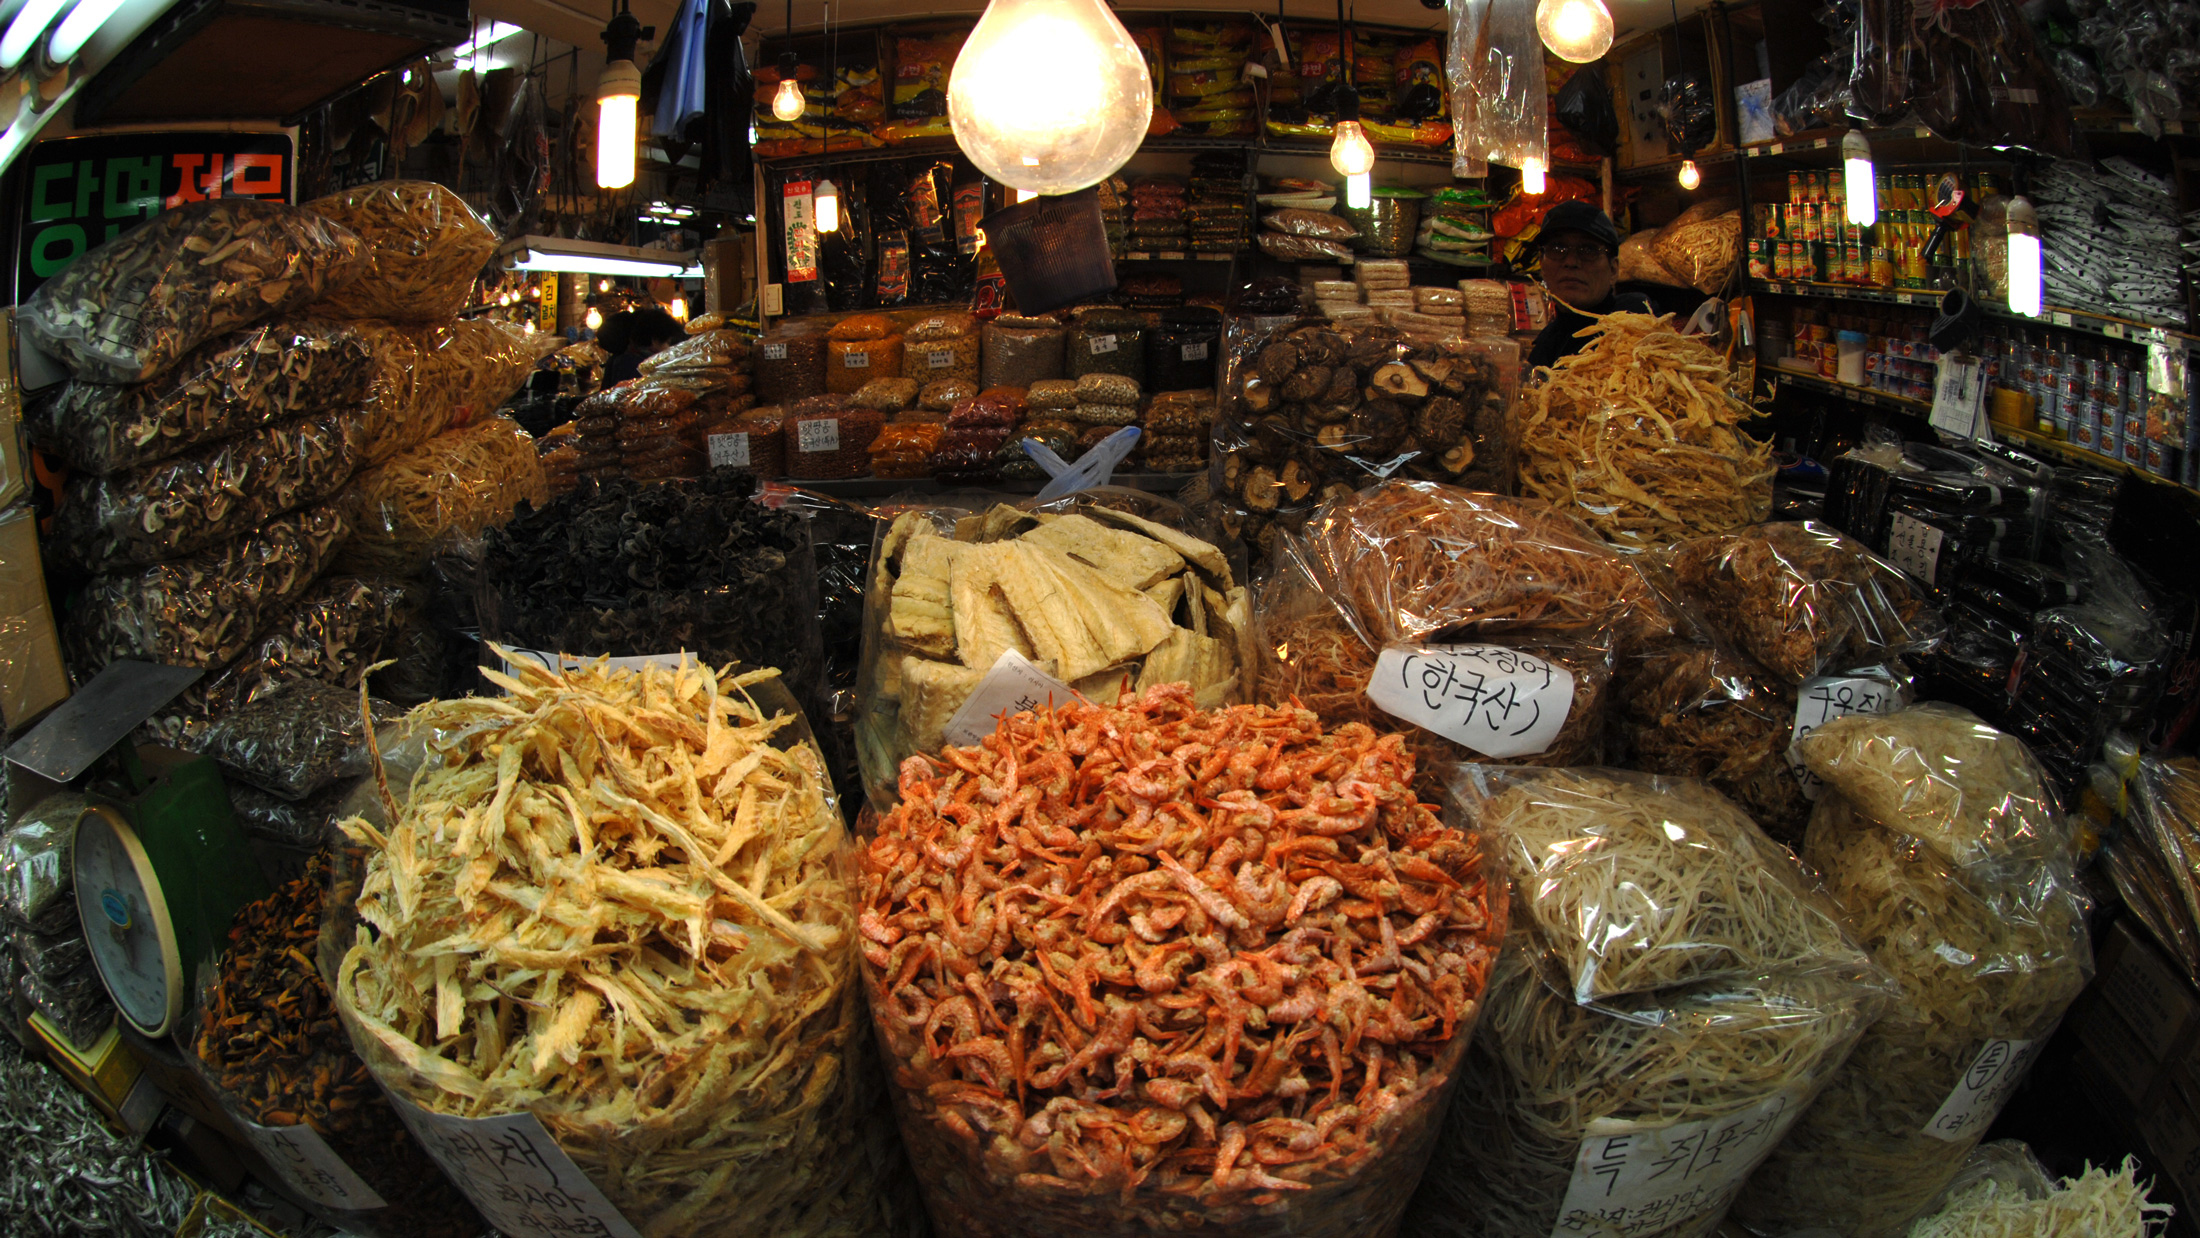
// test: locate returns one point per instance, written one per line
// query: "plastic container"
(1849, 358)
(1052, 251)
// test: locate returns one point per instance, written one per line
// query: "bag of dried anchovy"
(424, 246)
(266, 1041)
(204, 610)
(211, 494)
(130, 309)
(284, 831)
(295, 738)
(236, 383)
(34, 864)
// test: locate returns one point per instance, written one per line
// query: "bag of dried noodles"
(462, 482)
(424, 249)
(656, 986)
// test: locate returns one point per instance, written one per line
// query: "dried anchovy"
(183, 505)
(295, 738)
(64, 1174)
(131, 308)
(424, 248)
(300, 825)
(236, 383)
(204, 610)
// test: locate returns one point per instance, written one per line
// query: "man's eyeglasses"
(1575, 254)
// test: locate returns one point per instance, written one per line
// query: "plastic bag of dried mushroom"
(127, 310)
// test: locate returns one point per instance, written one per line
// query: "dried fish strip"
(619, 900)
(1636, 434)
(131, 308)
(236, 383)
(1197, 970)
(424, 248)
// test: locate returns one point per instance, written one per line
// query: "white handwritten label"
(775, 352)
(822, 434)
(1825, 698)
(1914, 546)
(856, 360)
(521, 1180)
(1193, 352)
(311, 1168)
(730, 449)
(939, 360)
(1499, 702)
(1631, 1179)
(1979, 1095)
(1959, 393)
(1103, 344)
(1014, 685)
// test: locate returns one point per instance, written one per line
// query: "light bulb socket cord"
(625, 33)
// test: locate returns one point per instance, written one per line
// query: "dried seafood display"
(1941, 776)
(659, 958)
(1701, 711)
(424, 249)
(1636, 434)
(298, 737)
(1240, 1010)
(460, 483)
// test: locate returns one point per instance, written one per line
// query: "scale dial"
(126, 922)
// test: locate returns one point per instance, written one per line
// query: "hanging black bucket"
(1053, 251)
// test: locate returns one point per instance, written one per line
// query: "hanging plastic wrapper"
(1495, 65)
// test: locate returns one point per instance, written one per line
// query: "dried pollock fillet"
(424, 248)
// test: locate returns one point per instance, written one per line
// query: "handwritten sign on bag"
(516, 1175)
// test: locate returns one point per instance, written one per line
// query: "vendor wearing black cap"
(1580, 250)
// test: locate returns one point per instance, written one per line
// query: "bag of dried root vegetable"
(658, 987)
(424, 248)
(126, 311)
(1673, 994)
(1939, 842)
(1188, 1033)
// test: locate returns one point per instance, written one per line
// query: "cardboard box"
(32, 678)
(2139, 1017)
(106, 1072)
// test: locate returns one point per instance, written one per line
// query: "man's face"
(1578, 269)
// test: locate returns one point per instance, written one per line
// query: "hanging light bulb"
(1576, 30)
(2024, 258)
(1049, 95)
(618, 96)
(594, 318)
(1858, 181)
(827, 203)
(1350, 152)
(529, 326)
(680, 308)
(787, 101)
(1531, 176)
(1691, 175)
(603, 285)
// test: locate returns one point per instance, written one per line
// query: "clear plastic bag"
(333, 634)
(35, 881)
(424, 248)
(1699, 710)
(236, 383)
(204, 610)
(296, 738)
(76, 1003)
(1634, 883)
(1494, 63)
(1802, 599)
(1021, 351)
(790, 363)
(216, 493)
(705, 350)
(131, 308)
(293, 825)
(473, 367)
(461, 482)
(2155, 860)
(1938, 774)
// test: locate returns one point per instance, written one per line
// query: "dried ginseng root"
(618, 900)
(1144, 968)
(270, 1044)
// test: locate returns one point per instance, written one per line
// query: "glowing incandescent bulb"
(2024, 258)
(618, 95)
(1858, 181)
(593, 319)
(1049, 95)
(1691, 175)
(680, 308)
(787, 102)
(1576, 30)
(827, 204)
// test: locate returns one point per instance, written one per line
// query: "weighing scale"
(159, 865)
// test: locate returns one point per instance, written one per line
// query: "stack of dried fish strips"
(1636, 434)
(1145, 969)
(1095, 597)
(619, 900)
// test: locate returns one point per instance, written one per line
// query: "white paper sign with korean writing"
(1914, 546)
(1498, 701)
(1631, 1179)
(310, 1168)
(822, 434)
(1014, 685)
(1978, 1096)
(1959, 393)
(1103, 344)
(1825, 698)
(521, 1180)
(730, 449)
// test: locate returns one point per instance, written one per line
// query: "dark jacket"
(622, 367)
(1557, 339)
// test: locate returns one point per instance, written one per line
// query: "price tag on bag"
(1103, 344)
(730, 449)
(1193, 352)
(1978, 1096)
(939, 360)
(521, 1180)
(856, 360)
(1914, 546)
(1633, 1178)
(1825, 698)
(1014, 685)
(311, 1168)
(1498, 701)
(775, 352)
(822, 434)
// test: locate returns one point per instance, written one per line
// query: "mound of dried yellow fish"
(1636, 435)
(619, 900)
(1093, 597)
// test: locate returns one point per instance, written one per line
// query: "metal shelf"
(1862, 395)
(883, 488)
(2103, 325)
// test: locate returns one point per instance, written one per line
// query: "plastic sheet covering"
(333, 634)
(477, 364)
(76, 1002)
(424, 249)
(227, 386)
(457, 483)
(1941, 776)
(296, 738)
(127, 310)
(1495, 66)
(34, 864)
(204, 610)
(187, 503)
(2155, 861)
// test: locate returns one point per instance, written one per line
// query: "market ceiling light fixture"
(1576, 30)
(1349, 151)
(1858, 179)
(547, 253)
(1531, 176)
(2024, 258)
(1049, 95)
(78, 28)
(827, 206)
(680, 308)
(618, 99)
(594, 319)
(787, 101)
(22, 33)
(1691, 175)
